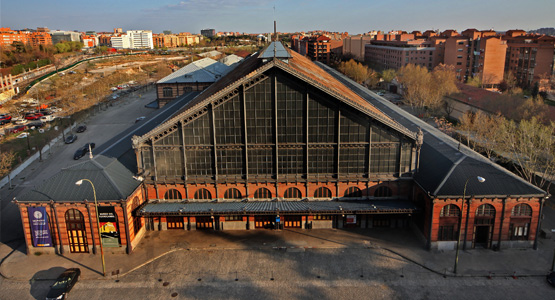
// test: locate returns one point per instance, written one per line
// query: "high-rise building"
(140, 39)
(208, 32)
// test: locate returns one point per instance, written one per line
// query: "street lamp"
(480, 180)
(78, 183)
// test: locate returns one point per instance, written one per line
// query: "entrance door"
(482, 236)
(204, 223)
(77, 237)
(175, 222)
(77, 241)
(292, 221)
(264, 222)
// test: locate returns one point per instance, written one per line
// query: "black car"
(551, 278)
(70, 138)
(81, 128)
(83, 151)
(63, 284)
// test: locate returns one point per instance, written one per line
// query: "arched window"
(448, 223)
(322, 192)
(167, 92)
(353, 192)
(292, 193)
(521, 218)
(136, 203)
(485, 210)
(521, 210)
(203, 194)
(172, 194)
(76, 234)
(187, 89)
(262, 193)
(383, 191)
(232, 193)
(450, 210)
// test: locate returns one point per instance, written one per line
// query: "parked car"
(139, 119)
(5, 119)
(380, 93)
(48, 118)
(35, 124)
(83, 151)
(46, 111)
(15, 129)
(81, 128)
(64, 284)
(70, 138)
(551, 278)
(33, 116)
(23, 135)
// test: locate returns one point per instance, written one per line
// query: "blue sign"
(40, 231)
(278, 219)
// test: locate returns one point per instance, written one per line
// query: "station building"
(282, 142)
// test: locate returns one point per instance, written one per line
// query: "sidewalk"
(401, 243)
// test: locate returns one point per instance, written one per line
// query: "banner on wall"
(108, 226)
(40, 230)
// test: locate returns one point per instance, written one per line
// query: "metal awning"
(155, 209)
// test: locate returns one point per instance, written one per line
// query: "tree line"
(19, 57)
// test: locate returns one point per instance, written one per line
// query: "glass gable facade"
(292, 130)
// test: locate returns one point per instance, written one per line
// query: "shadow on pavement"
(41, 281)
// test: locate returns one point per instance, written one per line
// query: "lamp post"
(78, 183)
(480, 179)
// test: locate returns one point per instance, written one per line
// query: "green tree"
(388, 75)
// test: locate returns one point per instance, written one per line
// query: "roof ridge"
(455, 165)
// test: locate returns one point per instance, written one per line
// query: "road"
(101, 127)
(277, 274)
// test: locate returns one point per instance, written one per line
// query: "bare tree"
(530, 147)
(6, 161)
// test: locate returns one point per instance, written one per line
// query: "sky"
(256, 16)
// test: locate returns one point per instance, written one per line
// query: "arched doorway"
(76, 234)
(483, 226)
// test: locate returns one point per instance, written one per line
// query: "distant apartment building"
(65, 36)
(105, 40)
(140, 39)
(319, 47)
(90, 41)
(174, 40)
(355, 45)
(530, 58)
(120, 41)
(472, 53)
(208, 32)
(34, 38)
(396, 54)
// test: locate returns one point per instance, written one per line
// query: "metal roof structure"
(445, 164)
(273, 207)
(298, 66)
(231, 60)
(204, 70)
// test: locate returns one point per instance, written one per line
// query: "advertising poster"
(40, 230)
(108, 226)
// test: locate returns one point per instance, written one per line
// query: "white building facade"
(120, 42)
(140, 39)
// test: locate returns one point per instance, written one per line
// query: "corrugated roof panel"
(274, 206)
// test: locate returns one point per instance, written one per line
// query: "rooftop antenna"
(275, 31)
